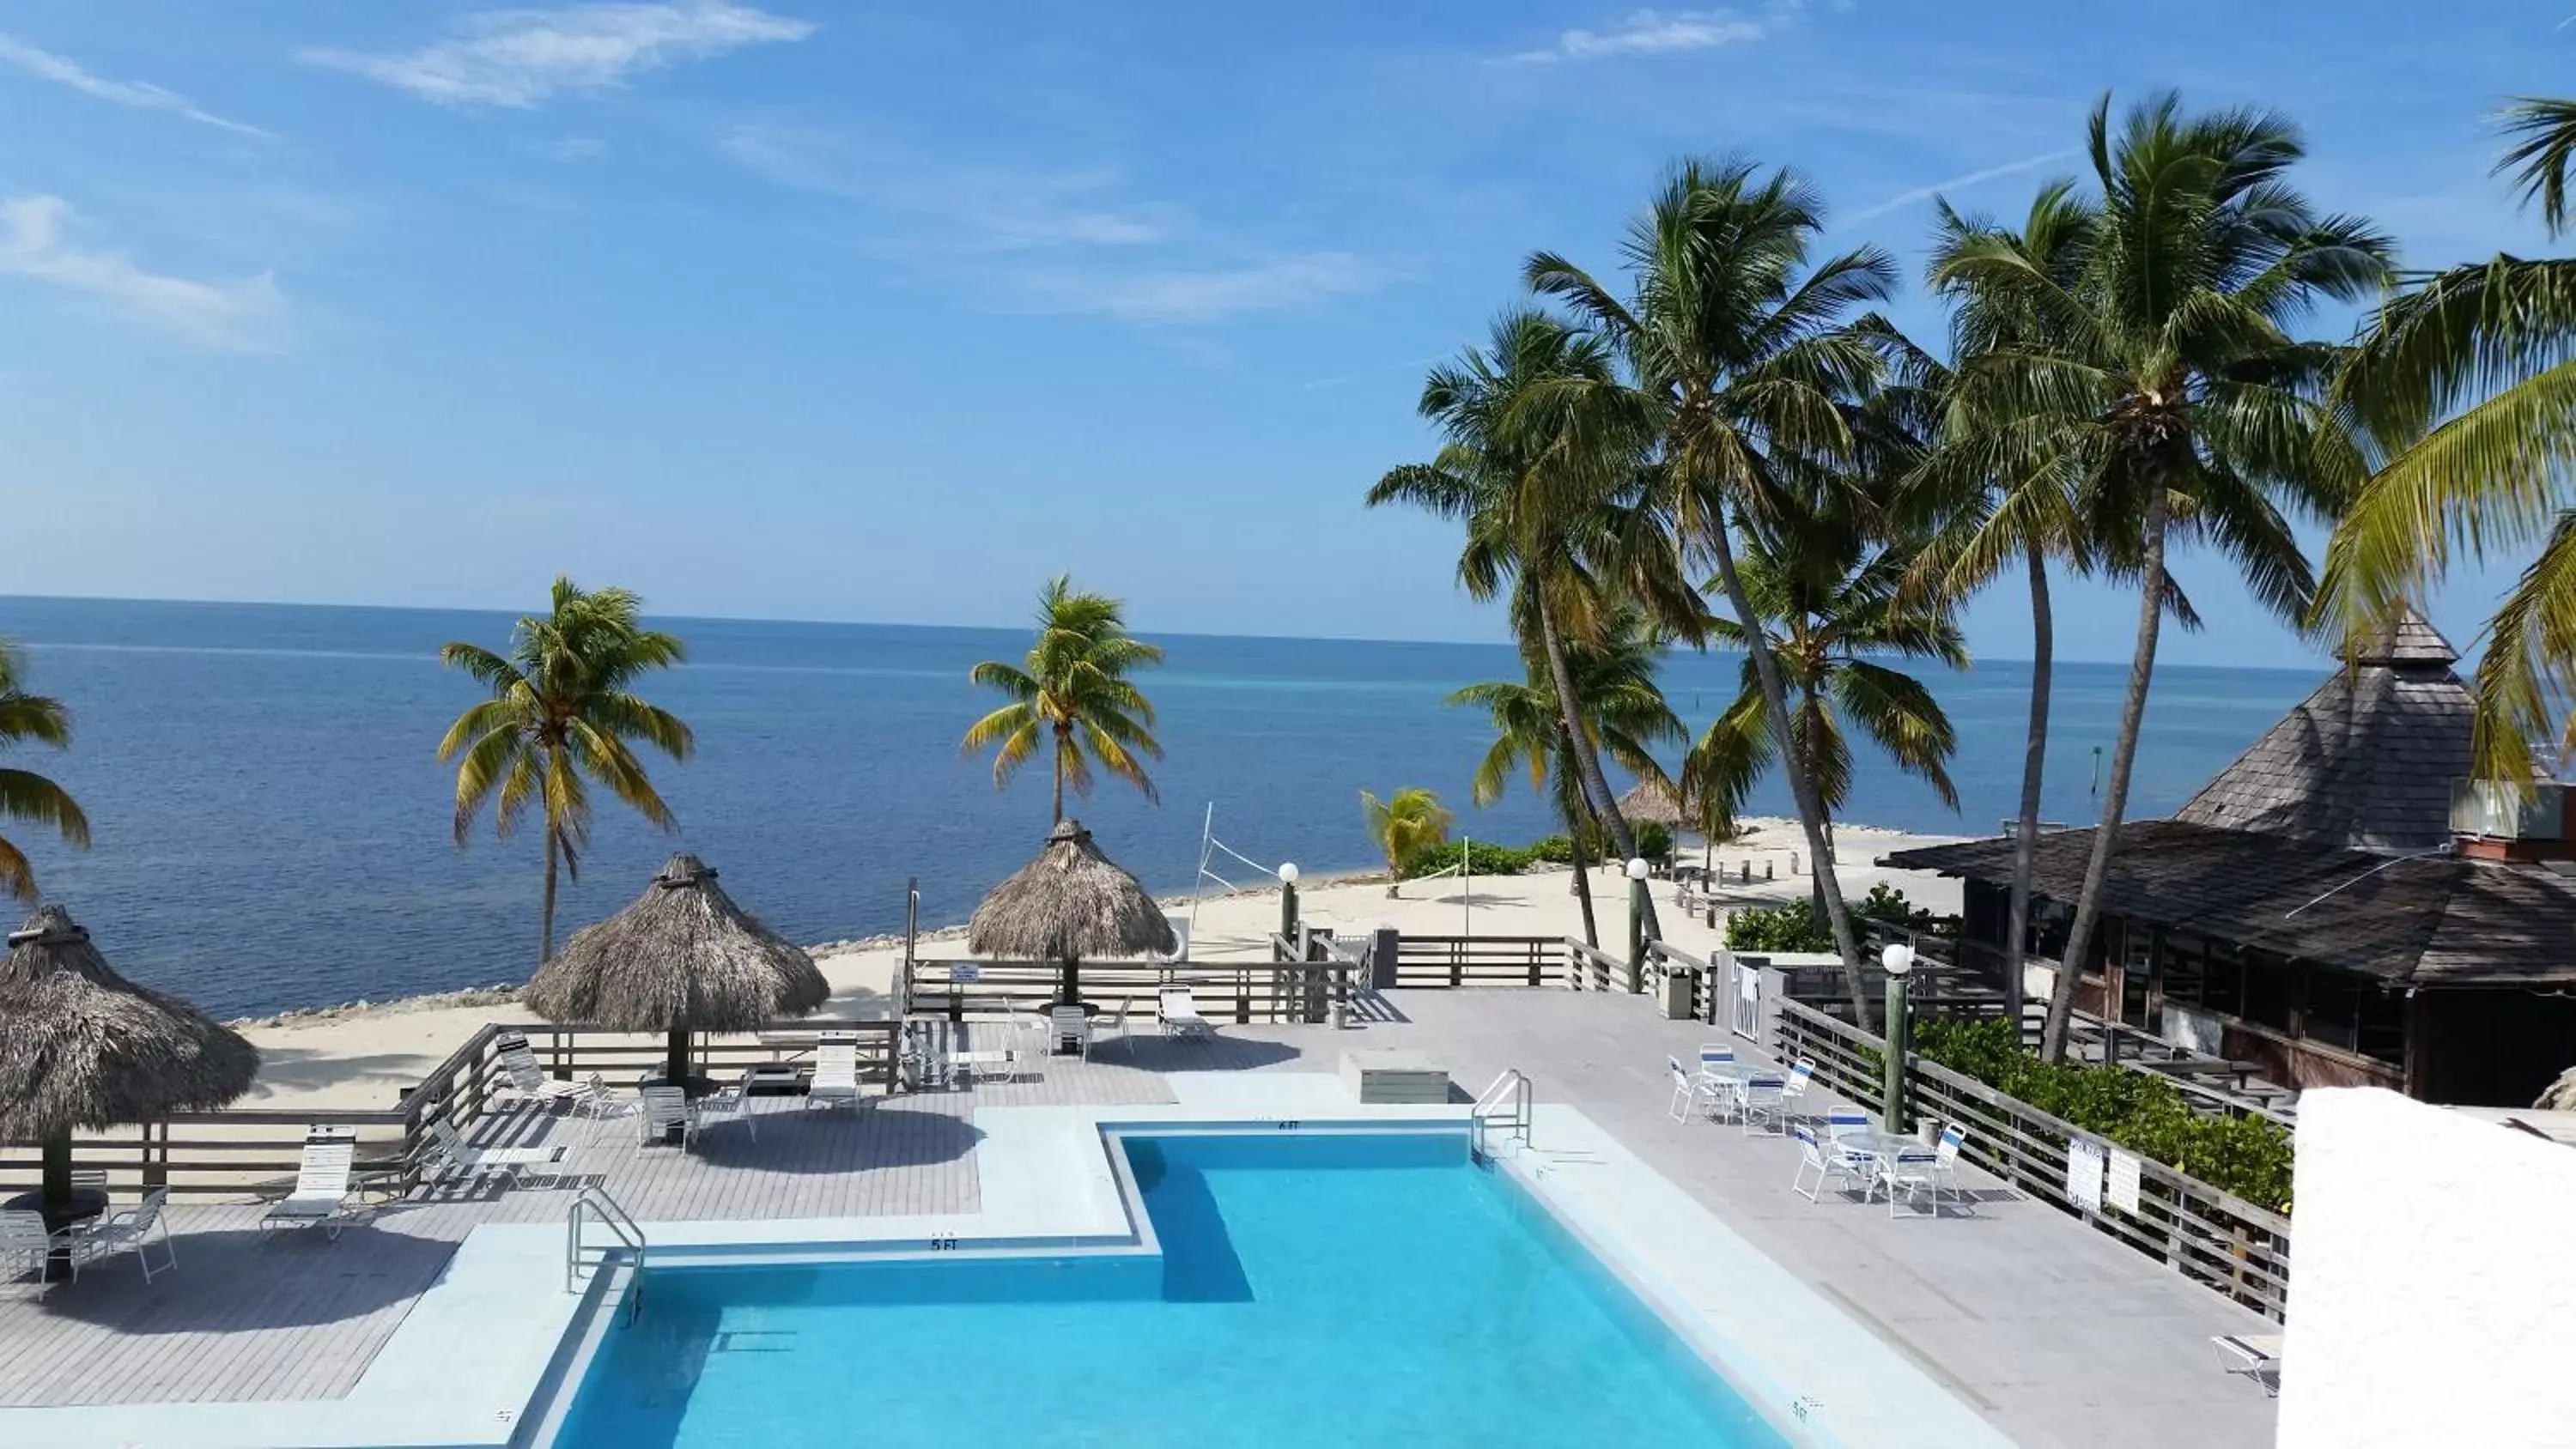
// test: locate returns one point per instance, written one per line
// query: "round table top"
(85, 1204)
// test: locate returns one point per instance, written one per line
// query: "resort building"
(2344, 905)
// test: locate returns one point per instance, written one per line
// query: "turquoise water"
(1313, 1291)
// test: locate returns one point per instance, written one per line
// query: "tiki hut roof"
(2366, 761)
(683, 957)
(81, 1046)
(1655, 802)
(1070, 903)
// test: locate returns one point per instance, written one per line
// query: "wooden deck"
(2057, 1334)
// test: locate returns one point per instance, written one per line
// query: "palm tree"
(2158, 369)
(1554, 519)
(1737, 351)
(1619, 703)
(1073, 688)
(1832, 605)
(563, 715)
(24, 794)
(1402, 826)
(2467, 382)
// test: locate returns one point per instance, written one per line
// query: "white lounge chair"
(836, 1071)
(528, 1080)
(1180, 1015)
(1826, 1161)
(474, 1164)
(662, 1109)
(25, 1247)
(129, 1230)
(597, 1103)
(320, 1197)
(733, 1101)
(2255, 1355)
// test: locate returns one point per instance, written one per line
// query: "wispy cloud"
(1200, 294)
(142, 95)
(571, 148)
(36, 243)
(1655, 32)
(1916, 195)
(517, 58)
(966, 207)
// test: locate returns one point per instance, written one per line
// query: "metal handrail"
(1507, 1102)
(594, 1202)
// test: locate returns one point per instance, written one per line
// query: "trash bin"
(1681, 985)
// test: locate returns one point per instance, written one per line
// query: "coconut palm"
(1553, 520)
(2159, 369)
(2468, 383)
(1620, 703)
(24, 794)
(1073, 691)
(1402, 826)
(1832, 609)
(1737, 350)
(563, 716)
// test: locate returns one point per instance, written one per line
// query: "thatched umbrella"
(81, 1046)
(1652, 801)
(683, 958)
(1069, 903)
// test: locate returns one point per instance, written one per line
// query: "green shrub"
(2247, 1156)
(1790, 926)
(1488, 859)
(1655, 840)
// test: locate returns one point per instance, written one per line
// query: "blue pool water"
(1313, 1291)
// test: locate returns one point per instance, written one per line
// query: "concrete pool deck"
(2045, 1331)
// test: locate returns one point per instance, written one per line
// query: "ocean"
(272, 825)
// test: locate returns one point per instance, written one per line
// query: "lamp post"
(1288, 902)
(1636, 925)
(1899, 961)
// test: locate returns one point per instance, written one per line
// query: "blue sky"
(885, 313)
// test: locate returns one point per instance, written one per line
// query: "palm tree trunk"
(1802, 785)
(1574, 827)
(1587, 760)
(546, 942)
(2043, 637)
(2115, 800)
(1063, 742)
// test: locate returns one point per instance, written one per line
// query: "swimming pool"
(1310, 1290)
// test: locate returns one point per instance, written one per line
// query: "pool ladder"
(1503, 1107)
(581, 1263)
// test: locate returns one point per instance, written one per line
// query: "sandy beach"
(361, 1057)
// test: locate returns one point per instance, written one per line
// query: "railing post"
(1385, 951)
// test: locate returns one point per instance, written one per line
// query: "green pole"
(1288, 904)
(1636, 926)
(1899, 1030)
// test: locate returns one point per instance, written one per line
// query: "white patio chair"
(597, 1103)
(733, 1102)
(320, 1197)
(1824, 1160)
(1845, 1122)
(474, 1164)
(1945, 1167)
(25, 1247)
(1113, 1029)
(1068, 1023)
(658, 1111)
(2255, 1355)
(1690, 1089)
(528, 1081)
(1802, 1075)
(1911, 1170)
(1760, 1097)
(129, 1230)
(1715, 1051)
(836, 1071)
(1180, 1014)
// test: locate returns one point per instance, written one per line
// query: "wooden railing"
(1589, 968)
(239, 1152)
(2212, 1237)
(1477, 960)
(1244, 991)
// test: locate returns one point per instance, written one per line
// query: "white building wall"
(2432, 1280)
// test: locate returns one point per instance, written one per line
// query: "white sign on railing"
(2084, 1165)
(965, 971)
(2124, 1181)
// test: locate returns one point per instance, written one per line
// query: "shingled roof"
(2430, 921)
(2365, 762)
